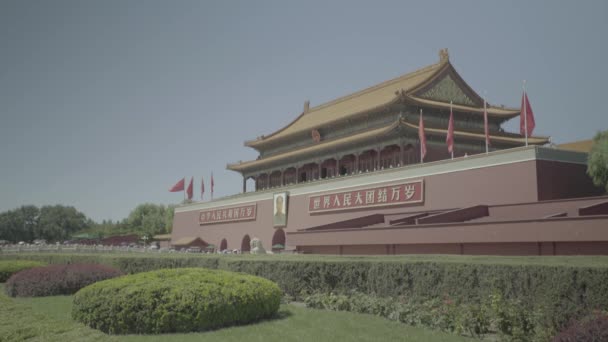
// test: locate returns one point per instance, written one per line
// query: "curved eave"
(497, 112)
(514, 141)
(507, 140)
(241, 167)
(432, 70)
(257, 142)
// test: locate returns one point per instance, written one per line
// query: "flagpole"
(525, 113)
(421, 155)
(485, 120)
(451, 117)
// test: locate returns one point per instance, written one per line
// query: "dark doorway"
(223, 245)
(246, 244)
(278, 240)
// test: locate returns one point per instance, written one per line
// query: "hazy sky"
(106, 104)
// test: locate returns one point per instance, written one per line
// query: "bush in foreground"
(10, 267)
(509, 320)
(593, 328)
(56, 280)
(175, 300)
(556, 288)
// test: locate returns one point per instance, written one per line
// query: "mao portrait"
(280, 209)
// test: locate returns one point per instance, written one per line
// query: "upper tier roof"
(380, 95)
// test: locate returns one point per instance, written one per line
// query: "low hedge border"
(559, 288)
(177, 300)
(10, 267)
(55, 280)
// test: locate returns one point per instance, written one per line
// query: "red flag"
(485, 124)
(179, 186)
(526, 118)
(450, 138)
(202, 186)
(212, 184)
(422, 138)
(189, 190)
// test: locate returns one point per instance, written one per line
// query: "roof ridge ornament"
(401, 94)
(306, 106)
(444, 56)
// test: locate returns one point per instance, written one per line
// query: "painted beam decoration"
(221, 215)
(387, 195)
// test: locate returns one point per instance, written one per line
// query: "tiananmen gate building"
(346, 177)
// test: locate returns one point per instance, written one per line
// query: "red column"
(337, 170)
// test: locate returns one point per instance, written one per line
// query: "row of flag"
(526, 126)
(180, 186)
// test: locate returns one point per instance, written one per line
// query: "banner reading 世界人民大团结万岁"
(387, 195)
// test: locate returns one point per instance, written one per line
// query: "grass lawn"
(48, 319)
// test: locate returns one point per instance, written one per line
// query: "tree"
(52, 223)
(59, 222)
(597, 167)
(169, 213)
(19, 224)
(147, 219)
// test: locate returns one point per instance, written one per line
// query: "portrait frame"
(279, 209)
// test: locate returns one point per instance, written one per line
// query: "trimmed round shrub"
(10, 267)
(175, 300)
(54, 280)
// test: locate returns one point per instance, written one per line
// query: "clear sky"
(106, 104)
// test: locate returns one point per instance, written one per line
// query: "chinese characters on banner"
(221, 215)
(404, 193)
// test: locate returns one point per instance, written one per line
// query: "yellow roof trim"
(352, 104)
(239, 167)
(313, 148)
(492, 110)
(577, 146)
(187, 240)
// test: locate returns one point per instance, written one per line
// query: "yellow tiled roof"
(329, 144)
(185, 240)
(492, 110)
(577, 146)
(352, 104)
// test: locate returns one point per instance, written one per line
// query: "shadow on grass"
(283, 313)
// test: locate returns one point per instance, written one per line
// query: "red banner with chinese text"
(388, 195)
(221, 215)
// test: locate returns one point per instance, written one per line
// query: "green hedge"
(56, 280)
(559, 287)
(10, 267)
(178, 300)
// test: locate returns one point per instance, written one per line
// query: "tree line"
(58, 223)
